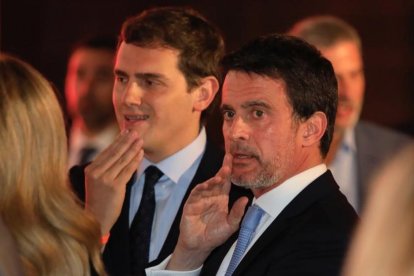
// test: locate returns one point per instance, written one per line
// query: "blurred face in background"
(346, 60)
(89, 84)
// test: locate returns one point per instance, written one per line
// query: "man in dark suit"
(279, 103)
(359, 149)
(166, 77)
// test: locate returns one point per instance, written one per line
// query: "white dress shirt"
(272, 202)
(344, 168)
(178, 171)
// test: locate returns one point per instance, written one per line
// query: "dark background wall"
(42, 32)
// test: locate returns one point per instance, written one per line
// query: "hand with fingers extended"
(206, 221)
(106, 178)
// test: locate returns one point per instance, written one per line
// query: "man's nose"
(133, 94)
(239, 129)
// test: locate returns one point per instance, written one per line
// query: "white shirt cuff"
(159, 270)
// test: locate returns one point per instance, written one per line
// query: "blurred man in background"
(358, 148)
(89, 83)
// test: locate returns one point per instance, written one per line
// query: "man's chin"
(242, 180)
(251, 183)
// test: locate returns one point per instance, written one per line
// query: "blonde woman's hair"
(54, 235)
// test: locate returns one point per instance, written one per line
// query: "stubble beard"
(266, 177)
(270, 173)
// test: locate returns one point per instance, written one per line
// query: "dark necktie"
(86, 154)
(140, 232)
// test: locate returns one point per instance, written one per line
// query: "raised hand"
(106, 178)
(206, 221)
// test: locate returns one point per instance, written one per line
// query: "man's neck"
(305, 163)
(156, 155)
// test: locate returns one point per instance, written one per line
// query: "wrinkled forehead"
(238, 83)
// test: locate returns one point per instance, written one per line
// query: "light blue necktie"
(247, 229)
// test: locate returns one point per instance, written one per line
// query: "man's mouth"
(242, 152)
(132, 118)
(242, 156)
(344, 109)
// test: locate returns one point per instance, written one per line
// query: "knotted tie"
(247, 229)
(140, 232)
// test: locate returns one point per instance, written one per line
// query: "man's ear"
(204, 93)
(314, 128)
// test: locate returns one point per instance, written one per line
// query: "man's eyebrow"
(257, 103)
(149, 76)
(142, 75)
(248, 104)
(119, 72)
(225, 107)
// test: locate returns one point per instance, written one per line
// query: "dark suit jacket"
(116, 253)
(309, 237)
(375, 146)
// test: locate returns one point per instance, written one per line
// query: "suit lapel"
(209, 165)
(116, 253)
(214, 260)
(312, 193)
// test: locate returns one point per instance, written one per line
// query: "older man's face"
(259, 130)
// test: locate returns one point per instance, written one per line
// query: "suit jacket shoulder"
(375, 146)
(309, 237)
(379, 141)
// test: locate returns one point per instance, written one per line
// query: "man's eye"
(258, 113)
(148, 82)
(228, 114)
(121, 79)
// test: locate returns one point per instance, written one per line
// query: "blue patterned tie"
(247, 229)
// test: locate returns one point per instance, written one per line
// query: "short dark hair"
(99, 42)
(311, 84)
(200, 44)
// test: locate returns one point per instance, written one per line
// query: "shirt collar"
(175, 165)
(274, 201)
